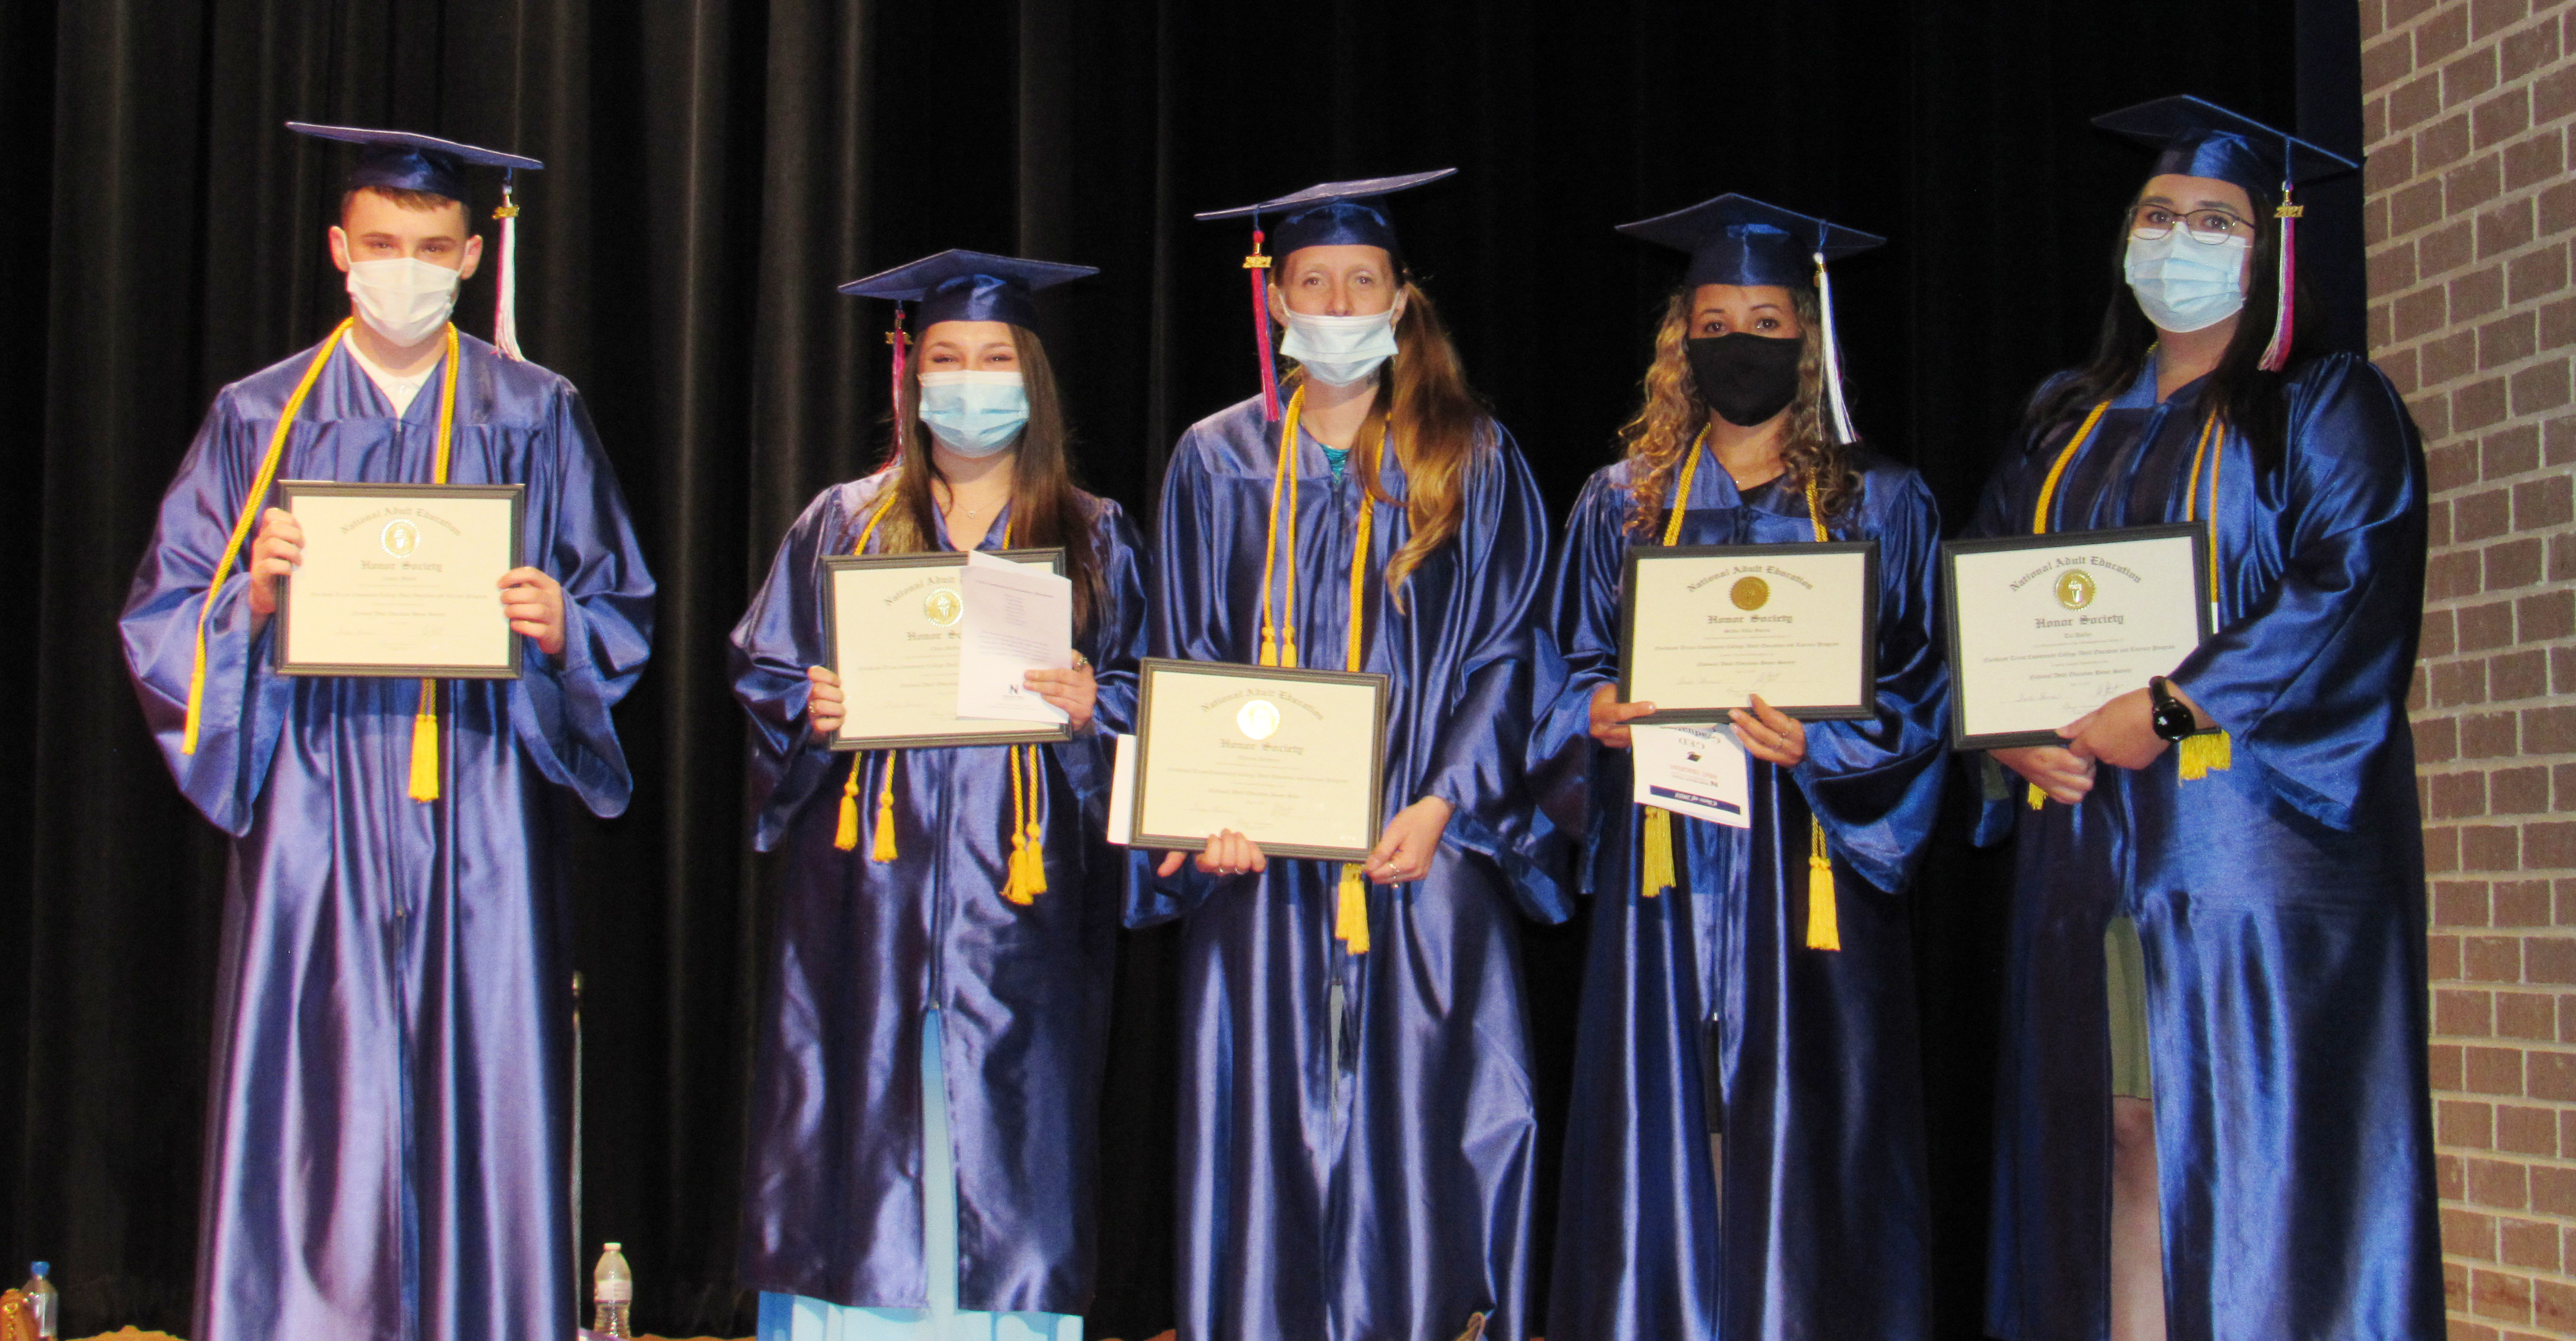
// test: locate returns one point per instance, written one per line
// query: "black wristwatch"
(2173, 720)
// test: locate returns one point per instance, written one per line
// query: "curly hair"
(1660, 437)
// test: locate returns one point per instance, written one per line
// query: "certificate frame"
(2193, 535)
(1164, 675)
(1640, 557)
(289, 491)
(1002, 733)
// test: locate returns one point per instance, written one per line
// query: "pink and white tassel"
(2276, 355)
(1835, 405)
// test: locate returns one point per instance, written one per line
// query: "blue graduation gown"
(1822, 1226)
(385, 1135)
(2280, 903)
(1378, 1184)
(833, 1193)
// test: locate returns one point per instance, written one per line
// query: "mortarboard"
(2194, 137)
(1324, 215)
(1736, 239)
(961, 286)
(399, 160)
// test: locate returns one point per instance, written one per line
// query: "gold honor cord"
(1279, 633)
(1025, 877)
(1656, 872)
(2199, 753)
(424, 732)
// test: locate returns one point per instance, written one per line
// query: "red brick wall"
(2468, 105)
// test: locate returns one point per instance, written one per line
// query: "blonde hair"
(1666, 427)
(1434, 421)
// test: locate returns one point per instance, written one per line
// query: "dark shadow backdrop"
(717, 167)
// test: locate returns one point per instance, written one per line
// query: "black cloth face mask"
(1746, 378)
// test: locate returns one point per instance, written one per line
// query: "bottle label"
(613, 1292)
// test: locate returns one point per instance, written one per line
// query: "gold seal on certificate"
(1288, 758)
(2044, 629)
(1703, 628)
(400, 580)
(891, 624)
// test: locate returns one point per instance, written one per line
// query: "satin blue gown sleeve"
(862, 949)
(1357, 1135)
(385, 1147)
(1702, 1009)
(2280, 903)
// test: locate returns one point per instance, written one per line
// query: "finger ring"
(1080, 661)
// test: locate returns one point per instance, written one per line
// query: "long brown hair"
(1436, 423)
(1668, 425)
(2247, 397)
(1047, 506)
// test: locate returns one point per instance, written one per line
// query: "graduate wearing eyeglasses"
(1358, 1135)
(1744, 1146)
(385, 1153)
(2214, 1119)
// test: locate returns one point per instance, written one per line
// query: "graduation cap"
(1323, 215)
(1736, 239)
(961, 286)
(2195, 137)
(399, 160)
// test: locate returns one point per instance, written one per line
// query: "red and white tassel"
(902, 357)
(1258, 267)
(2276, 355)
(505, 302)
(1837, 409)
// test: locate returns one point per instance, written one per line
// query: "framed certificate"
(1292, 759)
(890, 624)
(400, 580)
(2044, 629)
(1703, 628)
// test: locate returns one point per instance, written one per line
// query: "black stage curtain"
(716, 168)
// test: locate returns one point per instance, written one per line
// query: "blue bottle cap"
(42, 1267)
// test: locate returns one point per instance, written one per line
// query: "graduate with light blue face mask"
(929, 1050)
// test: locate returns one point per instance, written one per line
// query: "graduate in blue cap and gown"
(385, 1153)
(1744, 1149)
(927, 1080)
(1357, 1138)
(2214, 1116)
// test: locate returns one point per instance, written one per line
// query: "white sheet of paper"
(1122, 792)
(1699, 771)
(1017, 619)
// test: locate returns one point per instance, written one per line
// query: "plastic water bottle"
(44, 1303)
(612, 1292)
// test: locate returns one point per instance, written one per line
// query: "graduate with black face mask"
(2214, 1120)
(1744, 1151)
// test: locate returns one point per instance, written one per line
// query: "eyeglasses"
(2211, 226)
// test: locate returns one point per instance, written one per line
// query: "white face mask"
(1338, 351)
(2185, 285)
(974, 413)
(404, 299)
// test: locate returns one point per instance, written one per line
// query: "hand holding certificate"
(2045, 629)
(896, 628)
(1704, 628)
(1291, 759)
(400, 580)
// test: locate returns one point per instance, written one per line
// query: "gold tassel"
(846, 835)
(1350, 910)
(1024, 879)
(2038, 798)
(1656, 871)
(883, 849)
(1824, 927)
(424, 744)
(2204, 753)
